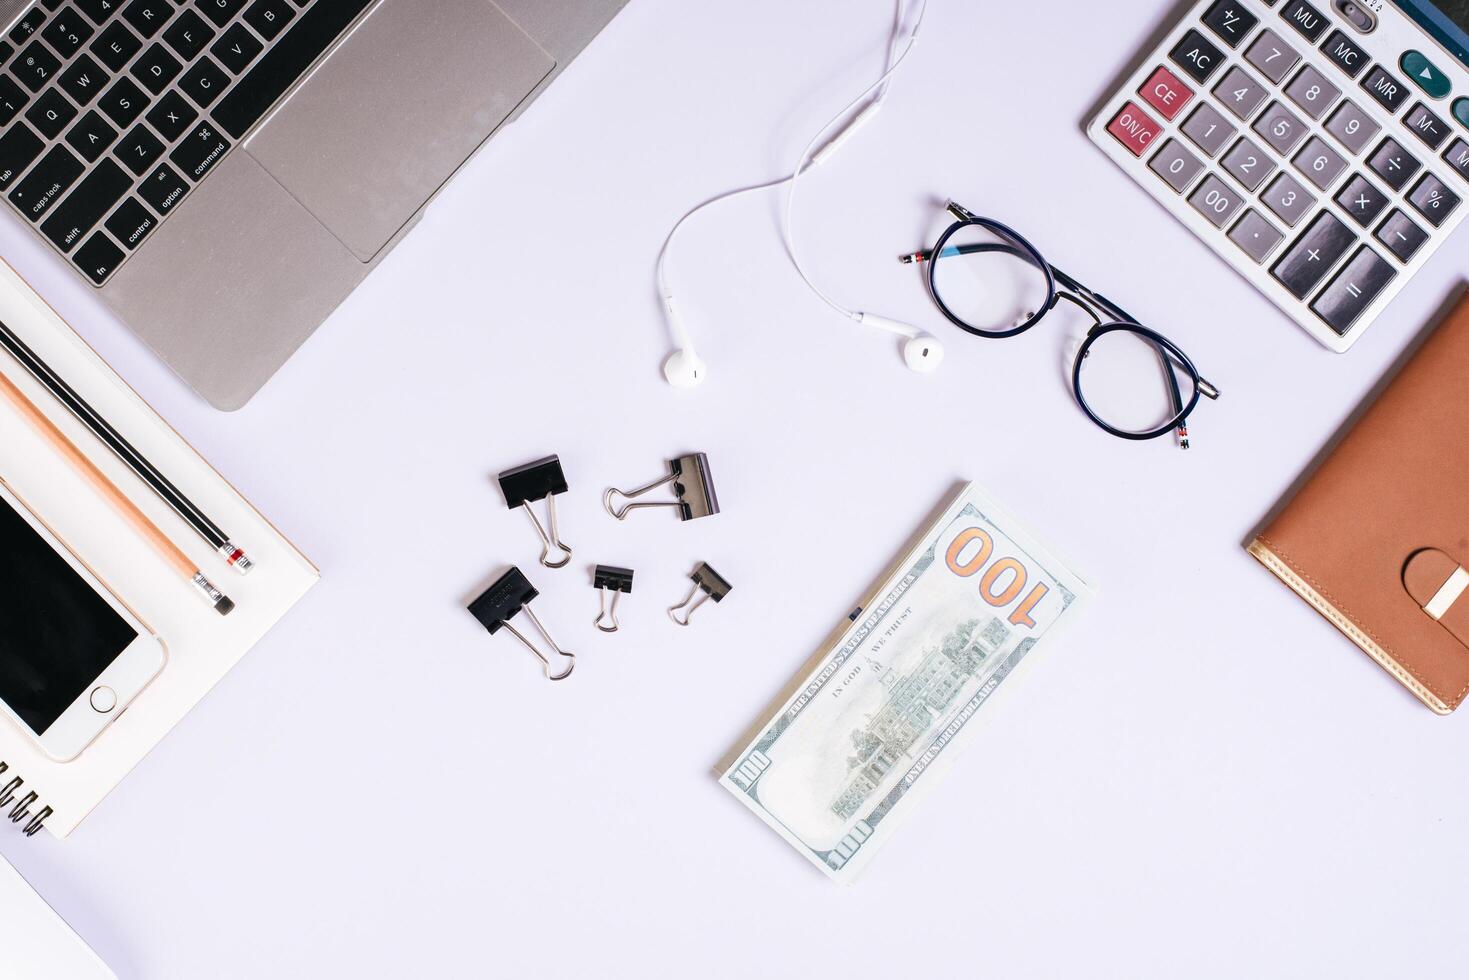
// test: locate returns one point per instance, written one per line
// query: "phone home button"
(104, 699)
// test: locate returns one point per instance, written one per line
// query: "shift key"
(200, 151)
(87, 205)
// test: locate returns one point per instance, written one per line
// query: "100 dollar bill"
(883, 710)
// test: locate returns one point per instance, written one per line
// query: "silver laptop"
(225, 172)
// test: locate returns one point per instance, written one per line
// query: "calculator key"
(1281, 128)
(172, 116)
(1426, 126)
(1256, 236)
(46, 182)
(237, 48)
(131, 223)
(1208, 129)
(18, 147)
(1395, 165)
(1345, 54)
(91, 137)
(87, 205)
(1401, 236)
(98, 258)
(1248, 164)
(1305, 18)
(1313, 92)
(1425, 74)
(12, 99)
(1352, 126)
(1164, 92)
(1324, 241)
(35, 66)
(1272, 56)
(163, 188)
(1361, 201)
(1288, 199)
(67, 32)
(1457, 156)
(1216, 201)
(139, 149)
(50, 114)
(1240, 93)
(116, 46)
(1433, 200)
(1133, 128)
(1176, 165)
(1388, 91)
(1355, 286)
(1230, 21)
(123, 102)
(1196, 56)
(1319, 162)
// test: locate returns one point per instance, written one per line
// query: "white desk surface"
(1204, 779)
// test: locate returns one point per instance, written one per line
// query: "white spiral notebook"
(36, 791)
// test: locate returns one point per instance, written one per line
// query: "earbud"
(922, 352)
(684, 368)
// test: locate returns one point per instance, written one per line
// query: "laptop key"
(131, 223)
(46, 182)
(99, 10)
(50, 113)
(155, 68)
(268, 17)
(220, 11)
(163, 188)
(200, 151)
(139, 149)
(27, 26)
(1355, 286)
(172, 116)
(237, 48)
(123, 102)
(188, 34)
(35, 66)
(99, 258)
(278, 69)
(18, 147)
(1401, 236)
(91, 137)
(84, 207)
(83, 80)
(1324, 241)
(116, 46)
(205, 82)
(67, 32)
(148, 16)
(12, 99)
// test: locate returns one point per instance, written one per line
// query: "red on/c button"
(1164, 92)
(1133, 128)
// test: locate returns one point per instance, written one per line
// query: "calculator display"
(1447, 21)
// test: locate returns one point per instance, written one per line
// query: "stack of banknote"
(884, 709)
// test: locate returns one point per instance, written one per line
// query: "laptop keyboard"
(112, 111)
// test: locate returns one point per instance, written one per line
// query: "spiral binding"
(22, 809)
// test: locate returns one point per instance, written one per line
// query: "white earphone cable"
(807, 161)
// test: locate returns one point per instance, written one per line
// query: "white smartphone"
(72, 655)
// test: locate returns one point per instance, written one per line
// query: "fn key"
(1355, 286)
(98, 258)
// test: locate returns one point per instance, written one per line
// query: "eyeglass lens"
(989, 281)
(1127, 380)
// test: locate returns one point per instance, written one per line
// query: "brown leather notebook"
(1377, 539)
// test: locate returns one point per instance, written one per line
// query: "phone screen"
(56, 633)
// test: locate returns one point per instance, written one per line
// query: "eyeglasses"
(1131, 381)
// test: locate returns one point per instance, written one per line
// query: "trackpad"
(392, 114)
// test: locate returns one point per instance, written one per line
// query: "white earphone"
(922, 352)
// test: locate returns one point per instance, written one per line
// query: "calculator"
(1322, 149)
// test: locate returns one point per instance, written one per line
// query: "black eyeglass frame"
(1107, 317)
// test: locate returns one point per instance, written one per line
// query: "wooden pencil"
(125, 507)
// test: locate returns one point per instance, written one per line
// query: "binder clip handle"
(605, 579)
(627, 508)
(541, 479)
(693, 489)
(509, 596)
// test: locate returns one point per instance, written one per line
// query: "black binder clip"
(710, 583)
(692, 485)
(605, 579)
(510, 595)
(523, 485)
